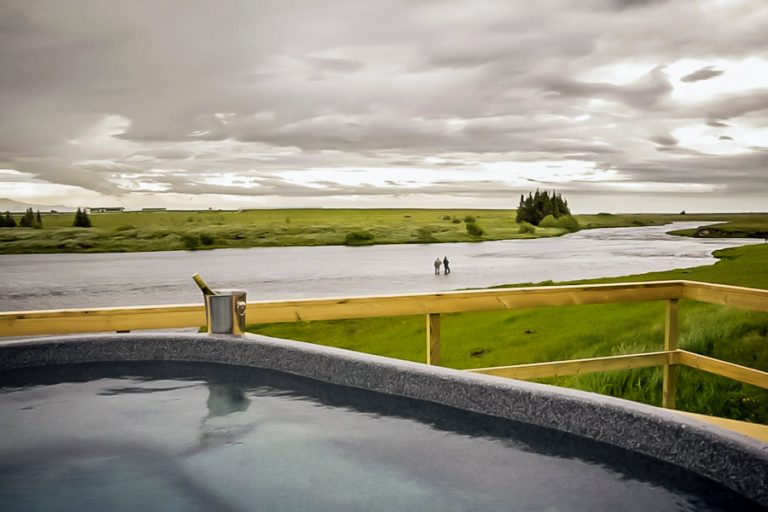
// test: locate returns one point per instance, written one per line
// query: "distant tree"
(7, 221)
(82, 220)
(29, 220)
(525, 212)
(24, 221)
(536, 206)
(39, 219)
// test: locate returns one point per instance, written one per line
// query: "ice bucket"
(225, 312)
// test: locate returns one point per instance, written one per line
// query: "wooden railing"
(24, 323)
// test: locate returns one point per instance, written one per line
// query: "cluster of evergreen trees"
(7, 221)
(82, 220)
(534, 208)
(30, 219)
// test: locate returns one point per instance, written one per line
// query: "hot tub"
(196, 422)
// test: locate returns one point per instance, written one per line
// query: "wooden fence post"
(671, 334)
(433, 338)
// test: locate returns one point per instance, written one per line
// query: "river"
(52, 281)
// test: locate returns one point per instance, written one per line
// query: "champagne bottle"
(202, 285)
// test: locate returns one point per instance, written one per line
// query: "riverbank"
(475, 340)
(204, 230)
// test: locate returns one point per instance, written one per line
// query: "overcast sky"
(621, 105)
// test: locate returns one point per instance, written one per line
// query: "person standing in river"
(446, 268)
(437, 266)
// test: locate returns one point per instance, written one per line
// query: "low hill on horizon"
(10, 205)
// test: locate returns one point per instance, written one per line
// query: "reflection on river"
(46, 281)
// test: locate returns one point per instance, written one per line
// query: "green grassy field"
(165, 231)
(475, 340)
(747, 225)
(198, 230)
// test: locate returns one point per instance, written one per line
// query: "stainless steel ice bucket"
(225, 312)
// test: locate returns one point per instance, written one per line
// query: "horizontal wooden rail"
(458, 302)
(628, 362)
(25, 323)
(580, 366)
(63, 321)
(724, 369)
(726, 295)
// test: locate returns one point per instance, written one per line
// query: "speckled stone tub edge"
(737, 462)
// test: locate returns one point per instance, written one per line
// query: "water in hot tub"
(194, 437)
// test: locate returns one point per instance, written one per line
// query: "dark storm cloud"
(735, 173)
(665, 140)
(647, 91)
(99, 93)
(704, 73)
(98, 178)
(716, 124)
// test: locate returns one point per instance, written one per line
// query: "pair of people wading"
(444, 264)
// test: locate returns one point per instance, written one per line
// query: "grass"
(747, 225)
(475, 340)
(201, 230)
(196, 230)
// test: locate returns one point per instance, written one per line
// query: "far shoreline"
(152, 231)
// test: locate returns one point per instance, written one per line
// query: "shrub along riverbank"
(476, 340)
(198, 230)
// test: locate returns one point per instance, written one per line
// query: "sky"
(620, 105)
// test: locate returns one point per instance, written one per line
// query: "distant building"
(105, 209)
(154, 209)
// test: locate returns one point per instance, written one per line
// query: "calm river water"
(47, 281)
